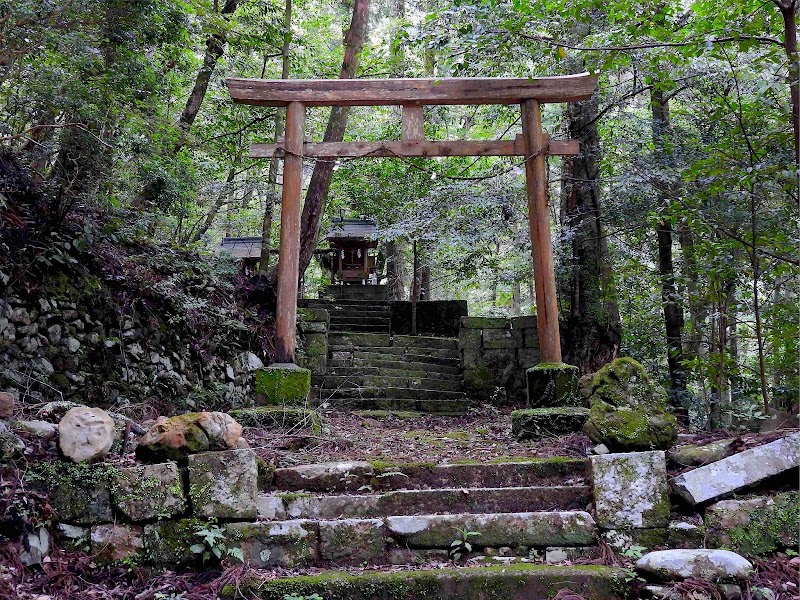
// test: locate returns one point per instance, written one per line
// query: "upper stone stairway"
(368, 368)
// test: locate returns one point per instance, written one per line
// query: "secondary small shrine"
(353, 255)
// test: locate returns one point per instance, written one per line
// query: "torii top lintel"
(381, 92)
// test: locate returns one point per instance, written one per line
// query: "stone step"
(357, 340)
(384, 476)
(437, 407)
(509, 582)
(393, 392)
(356, 319)
(358, 328)
(341, 382)
(309, 542)
(343, 301)
(428, 355)
(403, 370)
(399, 365)
(415, 502)
(422, 341)
(448, 361)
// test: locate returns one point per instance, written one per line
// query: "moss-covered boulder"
(282, 383)
(536, 423)
(628, 411)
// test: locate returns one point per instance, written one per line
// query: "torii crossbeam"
(412, 94)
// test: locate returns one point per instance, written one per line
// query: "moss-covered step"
(282, 384)
(392, 363)
(536, 423)
(279, 417)
(415, 502)
(509, 582)
(553, 384)
(338, 382)
(355, 340)
(546, 528)
(393, 392)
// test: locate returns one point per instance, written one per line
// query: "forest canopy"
(675, 229)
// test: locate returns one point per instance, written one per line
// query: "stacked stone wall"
(495, 352)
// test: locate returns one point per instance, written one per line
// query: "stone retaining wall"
(494, 355)
(312, 339)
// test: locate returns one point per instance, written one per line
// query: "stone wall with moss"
(312, 339)
(495, 352)
(81, 338)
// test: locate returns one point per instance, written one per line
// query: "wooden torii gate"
(412, 94)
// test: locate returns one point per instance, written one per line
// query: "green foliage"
(461, 546)
(212, 545)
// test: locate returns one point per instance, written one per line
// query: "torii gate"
(412, 95)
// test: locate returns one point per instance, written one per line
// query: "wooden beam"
(385, 149)
(381, 92)
(413, 122)
(535, 141)
(289, 255)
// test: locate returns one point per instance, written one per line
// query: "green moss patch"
(282, 384)
(536, 423)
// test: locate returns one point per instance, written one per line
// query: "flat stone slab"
(510, 582)
(738, 471)
(700, 564)
(630, 490)
(322, 477)
(503, 529)
(352, 541)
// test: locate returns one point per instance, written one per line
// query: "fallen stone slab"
(502, 529)
(630, 490)
(700, 564)
(510, 582)
(755, 526)
(691, 455)
(738, 471)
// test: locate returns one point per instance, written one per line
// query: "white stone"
(738, 471)
(270, 508)
(85, 434)
(39, 544)
(630, 490)
(72, 344)
(701, 564)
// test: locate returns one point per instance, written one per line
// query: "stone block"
(524, 322)
(537, 423)
(501, 529)
(360, 340)
(623, 539)
(558, 554)
(502, 338)
(315, 344)
(484, 323)
(469, 339)
(223, 485)
(351, 541)
(285, 544)
(312, 327)
(149, 492)
(471, 358)
(113, 542)
(755, 526)
(690, 455)
(630, 490)
(313, 314)
(551, 384)
(528, 357)
(167, 543)
(282, 383)
(530, 338)
(80, 494)
(738, 471)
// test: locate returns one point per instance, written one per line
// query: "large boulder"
(85, 434)
(628, 411)
(177, 437)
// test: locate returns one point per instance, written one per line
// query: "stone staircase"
(518, 515)
(369, 369)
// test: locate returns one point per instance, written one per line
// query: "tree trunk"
(280, 123)
(788, 10)
(593, 328)
(673, 312)
(395, 269)
(317, 194)
(223, 195)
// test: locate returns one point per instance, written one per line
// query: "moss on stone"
(536, 423)
(315, 344)
(629, 429)
(623, 383)
(282, 384)
(769, 528)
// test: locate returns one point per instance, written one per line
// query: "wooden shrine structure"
(413, 94)
(353, 245)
